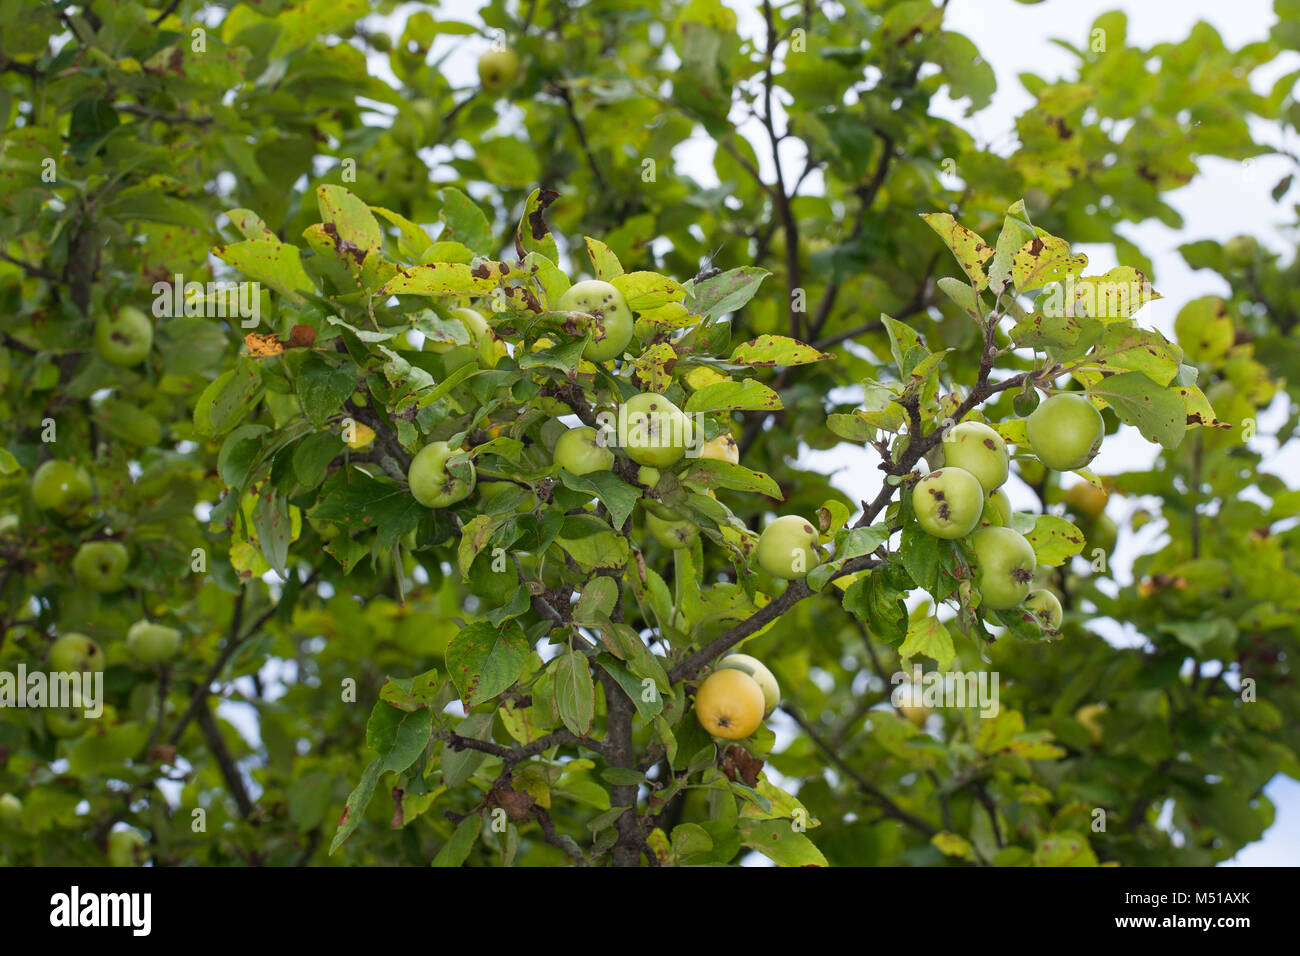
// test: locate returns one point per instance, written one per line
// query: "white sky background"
(1223, 201)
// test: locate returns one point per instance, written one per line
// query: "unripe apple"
(653, 431)
(127, 848)
(11, 808)
(152, 644)
(1086, 499)
(762, 676)
(1241, 250)
(948, 502)
(1004, 566)
(786, 548)
(1045, 605)
(67, 722)
(671, 534)
(613, 328)
(124, 339)
(980, 450)
(498, 69)
(648, 476)
(101, 565)
(581, 451)
(75, 652)
(1065, 431)
(432, 485)
(997, 510)
(916, 713)
(729, 704)
(61, 486)
(722, 448)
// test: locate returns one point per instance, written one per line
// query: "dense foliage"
(349, 656)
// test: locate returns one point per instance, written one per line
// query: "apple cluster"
(963, 497)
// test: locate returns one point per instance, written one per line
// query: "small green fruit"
(948, 502)
(432, 484)
(1044, 605)
(762, 676)
(653, 431)
(980, 450)
(786, 548)
(498, 69)
(127, 848)
(11, 808)
(581, 451)
(613, 328)
(997, 510)
(152, 644)
(1004, 566)
(101, 565)
(671, 534)
(124, 339)
(61, 486)
(72, 653)
(1065, 431)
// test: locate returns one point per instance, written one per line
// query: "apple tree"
(411, 449)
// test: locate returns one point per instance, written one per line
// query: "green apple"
(11, 808)
(997, 510)
(67, 722)
(978, 449)
(432, 484)
(602, 301)
(671, 534)
(722, 448)
(151, 643)
(786, 548)
(127, 848)
(1086, 500)
(581, 451)
(498, 69)
(101, 565)
(75, 652)
(124, 339)
(1241, 250)
(653, 431)
(61, 486)
(1004, 566)
(1045, 605)
(948, 502)
(1065, 431)
(762, 676)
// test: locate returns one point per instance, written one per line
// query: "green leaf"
(271, 261)
(1158, 413)
(348, 220)
(312, 455)
(603, 260)
(969, 249)
(776, 350)
(778, 841)
(1054, 540)
(725, 292)
(618, 496)
(711, 473)
(574, 693)
(456, 850)
(484, 660)
(399, 737)
(464, 222)
(726, 396)
(358, 800)
(323, 388)
(929, 638)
